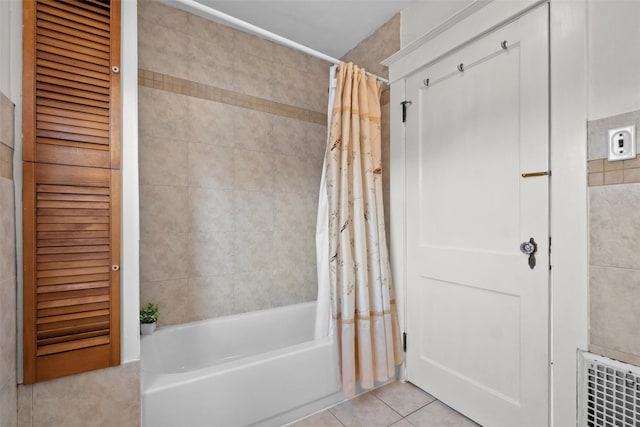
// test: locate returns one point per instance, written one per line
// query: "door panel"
(477, 314)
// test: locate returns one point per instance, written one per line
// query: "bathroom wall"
(614, 242)
(103, 398)
(8, 345)
(614, 187)
(380, 45)
(232, 135)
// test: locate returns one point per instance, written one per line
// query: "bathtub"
(255, 369)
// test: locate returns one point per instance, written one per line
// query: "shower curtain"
(362, 305)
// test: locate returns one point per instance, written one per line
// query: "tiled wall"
(103, 398)
(232, 137)
(380, 45)
(8, 380)
(614, 244)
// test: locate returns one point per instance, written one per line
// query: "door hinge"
(404, 110)
(404, 342)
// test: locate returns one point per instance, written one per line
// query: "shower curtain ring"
(461, 67)
(503, 44)
(426, 82)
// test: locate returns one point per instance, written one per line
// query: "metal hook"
(426, 82)
(461, 67)
(503, 44)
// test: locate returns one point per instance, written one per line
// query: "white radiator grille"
(609, 392)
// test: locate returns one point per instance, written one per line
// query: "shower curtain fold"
(363, 310)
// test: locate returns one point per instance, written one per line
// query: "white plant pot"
(147, 328)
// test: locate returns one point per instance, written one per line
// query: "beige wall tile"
(25, 402)
(162, 161)
(612, 166)
(211, 296)
(211, 209)
(253, 170)
(8, 334)
(297, 210)
(253, 210)
(253, 250)
(8, 404)
(102, 398)
(631, 175)
(632, 163)
(7, 230)
(596, 179)
(253, 130)
(595, 165)
(162, 49)
(211, 253)
(614, 298)
(7, 112)
(210, 122)
(172, 297)
(163, 256)
(614, 225)
(163, 207)
(211, 166)
(613, 177)
(163, 16)
(162, 114)
(253, 291)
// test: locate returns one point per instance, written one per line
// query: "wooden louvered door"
(71, 188)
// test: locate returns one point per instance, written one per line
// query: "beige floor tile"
(402, 423)
(404, 398)
(365, 411)
(321, 419)
(437, 414)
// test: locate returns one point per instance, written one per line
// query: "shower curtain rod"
(191, 5)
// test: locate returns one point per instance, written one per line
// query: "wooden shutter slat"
(63, 136)
(78, 94)
(48, 295)
(92, 45)
(71, 220)
(72, 109)
(44, 235)
(68, 189)
(72, 345)
(57, 96)
(50, 59)
(50, 123)
(61, 70)
(67, 6)
(72, 279)
(73, 257)
(71, 249)
(63, 338)
(74, 48)
(44, 243)
(72, 264)
(72, 20)
(70, 309)
(79, 301)
(65, 52)
(72, 197)
(73, 272)
(73, 330)
(71, 31)
(94, 118)
(69, 204)
(73, 82)
(78, 124)
(72, 316)
(73, 212)
(89, 7)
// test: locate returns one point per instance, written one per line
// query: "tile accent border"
(177, 85)
(604, 172)
(6, 162)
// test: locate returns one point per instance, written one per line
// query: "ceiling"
(332, 27)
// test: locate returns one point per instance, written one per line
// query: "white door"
(477, 313)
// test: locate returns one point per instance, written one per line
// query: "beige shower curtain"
(362, 298)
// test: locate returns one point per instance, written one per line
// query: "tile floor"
(396, 404)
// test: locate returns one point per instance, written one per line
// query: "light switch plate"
(622, 143)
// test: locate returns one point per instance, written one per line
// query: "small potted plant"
(148, 318)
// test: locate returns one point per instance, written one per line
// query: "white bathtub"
(256, 369)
